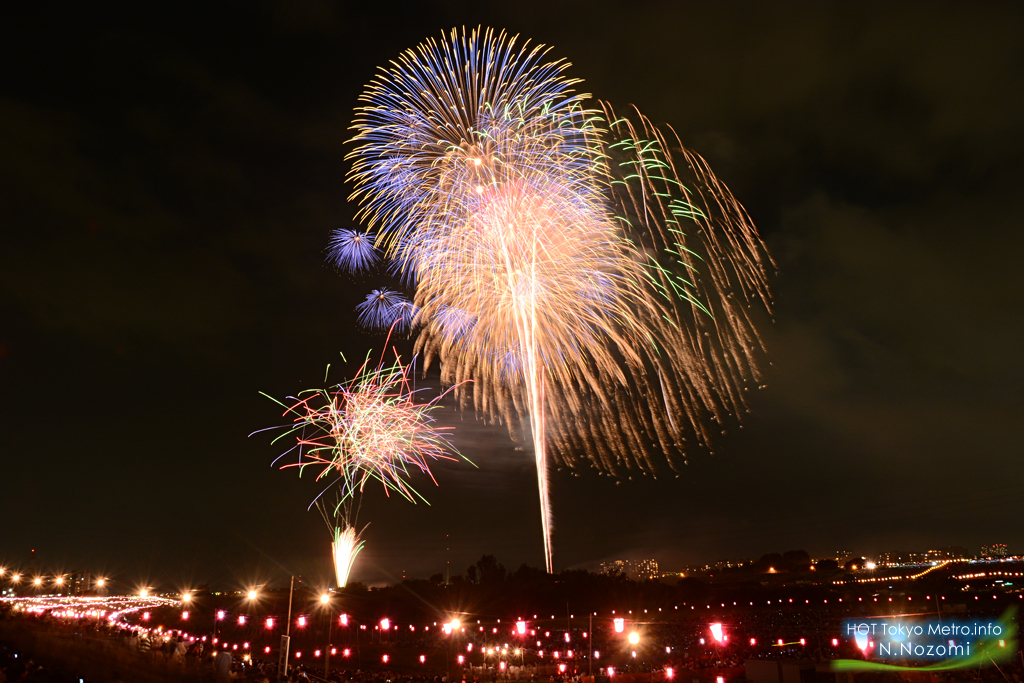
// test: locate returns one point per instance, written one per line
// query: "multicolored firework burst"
(585, 271)
(372, 428)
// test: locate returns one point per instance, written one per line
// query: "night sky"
(168, 181)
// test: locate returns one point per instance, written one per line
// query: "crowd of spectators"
(682, 644)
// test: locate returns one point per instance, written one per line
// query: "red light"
(803, 641)
(620, 626)
(502, 666)
(385, 624)
(316, 653)
(835, 642)
(241, 620)
(461, 659)
(384, 659)
(302, 621)
(567, 637)
(184, 615)
(334, 650)
(669, 673)
(220, 614)
(561, 668)
(298, 655)
(145, 616)
(521, 627)
(423, 658)
(270, 622)
(346, 652)
(753, 641)
(344, 619)
(267, 649)
(611, 671)
(245, 645)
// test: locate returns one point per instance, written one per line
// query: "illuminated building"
(632, 569)
(995, 550)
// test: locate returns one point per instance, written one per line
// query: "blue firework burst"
(352, 250)
(386, 309)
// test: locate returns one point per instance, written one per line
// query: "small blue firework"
(351, 250)
(386, 309)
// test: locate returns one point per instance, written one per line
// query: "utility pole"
(590, 644)
(282, 667)
(330, 627)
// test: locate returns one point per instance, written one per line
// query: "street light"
(325, 600)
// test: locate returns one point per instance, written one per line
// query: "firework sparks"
(385, 309)
(344, 548)
(371, 428)
(352, 250)
(559, 259)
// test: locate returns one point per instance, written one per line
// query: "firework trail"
(346, 541)
(580, 268)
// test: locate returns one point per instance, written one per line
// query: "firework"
(370, 429)
(344, 548)
(559, 258)
(385, 309)
(346, 541)
(352, 250)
